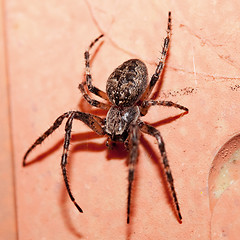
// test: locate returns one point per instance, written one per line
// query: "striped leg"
(155, 133)
(91, 88)
(133, 148)
(94, 123)
(91, 101)
(147, 104)
(161, 63)
(55, 125)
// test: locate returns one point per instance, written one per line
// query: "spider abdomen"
(118, 122)
(127, 83)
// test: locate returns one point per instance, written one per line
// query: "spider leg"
(161, 63)
(55, 125)
(67, 138)
(94, 123)
(92, 88)
(91, 101)
(133, 147)
(155, 133)
(147, 104)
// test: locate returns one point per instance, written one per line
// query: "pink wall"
(41, 65)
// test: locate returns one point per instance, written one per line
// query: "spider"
(127, 94)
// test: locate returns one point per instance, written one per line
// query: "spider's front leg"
(133, 148)
(68, 129)
(55, 125)
(146, 128)
(94, 122)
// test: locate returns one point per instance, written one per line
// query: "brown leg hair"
(155, 133)
(55, 125)
(91, 101)
(147, 104)
(161, 63)
(91, 88)
(133, 148)
(94, 122)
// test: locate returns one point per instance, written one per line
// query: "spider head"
(127, 83)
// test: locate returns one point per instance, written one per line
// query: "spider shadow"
(66, 212)
(154, 156)
(117, 153)
(68, 220)
(168, 120)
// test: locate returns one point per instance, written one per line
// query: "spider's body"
(124, 88)
(127, 94)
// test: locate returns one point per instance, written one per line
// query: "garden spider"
(127, 94)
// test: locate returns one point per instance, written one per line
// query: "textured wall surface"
(41, 66)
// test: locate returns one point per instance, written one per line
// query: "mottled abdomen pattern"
(127, 83)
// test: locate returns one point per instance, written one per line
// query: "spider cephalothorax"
(127, 94)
